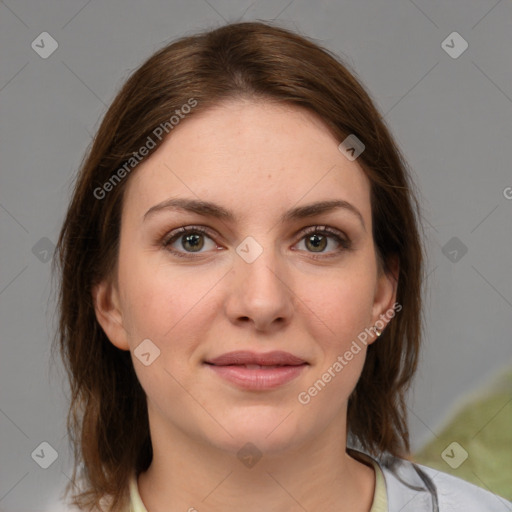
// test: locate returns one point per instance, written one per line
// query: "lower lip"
(258, 379)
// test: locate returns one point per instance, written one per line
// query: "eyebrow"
(209, 209)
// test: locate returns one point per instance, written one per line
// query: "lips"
(268, 359)
(257, 371)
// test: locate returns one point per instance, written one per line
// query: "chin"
(268, 429)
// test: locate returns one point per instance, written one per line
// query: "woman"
(240, 302)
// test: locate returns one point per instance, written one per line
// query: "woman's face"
(255, 279)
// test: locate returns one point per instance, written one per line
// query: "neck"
(186, 474)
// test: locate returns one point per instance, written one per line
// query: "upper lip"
(243, 357)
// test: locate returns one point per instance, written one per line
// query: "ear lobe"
(109, 314)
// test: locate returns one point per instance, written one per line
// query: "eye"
(190, 238)
(316, 239)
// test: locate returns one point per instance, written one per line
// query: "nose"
(261, 293)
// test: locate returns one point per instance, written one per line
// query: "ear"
(385, 294)
(109, 313)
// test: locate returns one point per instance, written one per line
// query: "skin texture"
(257, 159)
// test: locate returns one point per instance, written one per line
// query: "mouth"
(257, 371)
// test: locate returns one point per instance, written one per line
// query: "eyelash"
(174, 235)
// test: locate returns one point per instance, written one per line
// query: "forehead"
(252, 157)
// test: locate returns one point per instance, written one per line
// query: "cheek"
(152, 299)
(345, 310)
(342, 301)
(163, 303)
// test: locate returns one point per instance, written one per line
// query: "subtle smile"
(257, 372)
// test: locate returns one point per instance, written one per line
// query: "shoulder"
(417, 488)
(455, 494)
(413, 487)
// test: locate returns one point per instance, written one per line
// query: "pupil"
(194, 241)
(317, 241)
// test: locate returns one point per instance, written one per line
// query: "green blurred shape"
(483, 428)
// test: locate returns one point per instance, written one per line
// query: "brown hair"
(107, 420)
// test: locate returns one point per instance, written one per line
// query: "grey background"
(452, 117)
